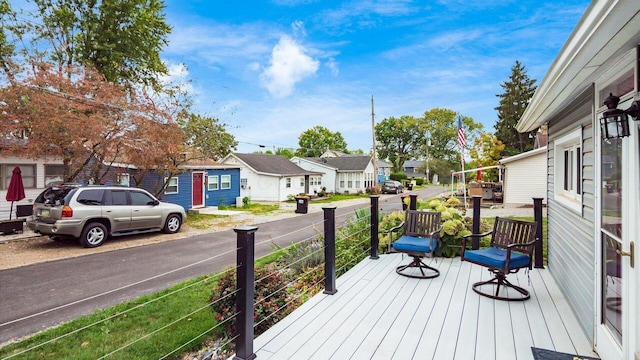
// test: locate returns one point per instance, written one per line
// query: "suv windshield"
(56, 195)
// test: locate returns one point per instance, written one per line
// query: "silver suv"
(92, 213)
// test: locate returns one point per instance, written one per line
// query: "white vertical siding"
(525, 179)
(30, 193)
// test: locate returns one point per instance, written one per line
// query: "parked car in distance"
(92, 213)
(392, 187)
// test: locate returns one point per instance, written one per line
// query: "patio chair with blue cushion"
(511, 249)
(420, 238)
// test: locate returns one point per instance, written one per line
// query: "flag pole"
(461, 142)
(464, 182)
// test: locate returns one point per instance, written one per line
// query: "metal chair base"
(427, 271)
(500, 280)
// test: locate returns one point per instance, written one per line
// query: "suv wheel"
(93, 235)
(172, 225)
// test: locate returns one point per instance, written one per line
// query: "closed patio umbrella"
(15, 191)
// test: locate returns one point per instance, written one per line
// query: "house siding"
(7, 164)
(571, 246)
(525, 179)
(328, 174)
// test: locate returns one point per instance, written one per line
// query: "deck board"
(378, 314)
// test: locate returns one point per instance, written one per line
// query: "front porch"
(377, 314)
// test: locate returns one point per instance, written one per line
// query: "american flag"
(461, 139)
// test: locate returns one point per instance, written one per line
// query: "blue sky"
(273, 69)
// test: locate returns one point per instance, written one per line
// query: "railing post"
(475, 242)
(245, 284)
(537, 250)
(330, 250)
(375, 216)
(413, 201)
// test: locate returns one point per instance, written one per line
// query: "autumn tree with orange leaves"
(91, 124)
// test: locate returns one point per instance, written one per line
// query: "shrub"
(387, 223)
(398, 176)
(272, 302)
(302, 256)
(419, 181)
(245, 201)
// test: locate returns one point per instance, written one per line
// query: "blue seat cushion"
(408, 243)
(496, 258)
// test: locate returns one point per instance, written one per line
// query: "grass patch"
(340, 197)
(256, 209)
(169, 319)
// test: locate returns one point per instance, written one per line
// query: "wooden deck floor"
(377, 314)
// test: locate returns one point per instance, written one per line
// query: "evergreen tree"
(513, 101)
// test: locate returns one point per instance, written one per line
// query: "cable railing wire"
(345, 232)
(96, 323)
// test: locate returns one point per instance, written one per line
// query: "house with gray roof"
(341, 174)
(265, 177)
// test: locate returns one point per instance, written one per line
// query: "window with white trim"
(302, 182)
(315, 180)
(287, 183)
(568, 170)
(122, 179)
(53, 174)
(212, 182)
(28, 173)
(172, 187)
(225, 182)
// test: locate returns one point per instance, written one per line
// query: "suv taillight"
(67, 212)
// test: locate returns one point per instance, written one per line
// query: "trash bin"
(409, 186)
(302, 204)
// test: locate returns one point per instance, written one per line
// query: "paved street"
(39, 296)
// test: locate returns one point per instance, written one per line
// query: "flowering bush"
(272, 302)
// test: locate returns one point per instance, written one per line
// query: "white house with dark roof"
(342, 174)
(266, 177)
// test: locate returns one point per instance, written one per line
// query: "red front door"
(198, 184)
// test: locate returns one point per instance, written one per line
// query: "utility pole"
(373, 133)
(428, 145)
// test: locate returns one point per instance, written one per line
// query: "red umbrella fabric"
(15, 191)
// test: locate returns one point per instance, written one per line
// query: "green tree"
(315, 141)
(122, 39)
(513, 101)
(487, 151)
(399, 140)
(208, 136)
(442, 128)
(288, 153)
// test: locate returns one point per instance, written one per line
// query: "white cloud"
(333, 66)
(289, 65)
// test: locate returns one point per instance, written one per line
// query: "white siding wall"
(31, 193)
(328, 174)
(525, 179)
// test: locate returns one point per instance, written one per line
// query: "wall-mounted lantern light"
(615, 122)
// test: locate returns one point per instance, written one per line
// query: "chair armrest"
(479, 235)
(436, 232)
(465, 237)
(390, 232)
(395, 228)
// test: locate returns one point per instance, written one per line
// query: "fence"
(329, 247)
